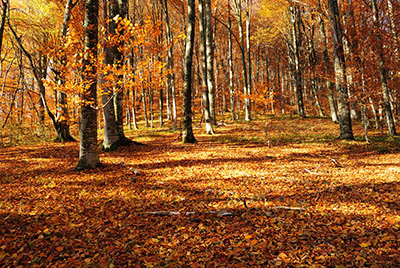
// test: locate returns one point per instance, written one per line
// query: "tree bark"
(346, 131)
(238, 10)
(210, 59)
(249, 71)
(88, 154)
(231, 85)
(383, 72)
(327, 71)
(205, 72)
(4, 12)
(62, 115)
(296, 39)
(187, 131)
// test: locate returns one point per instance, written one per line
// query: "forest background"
(258, 133)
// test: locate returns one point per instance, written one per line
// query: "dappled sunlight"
(164, 202)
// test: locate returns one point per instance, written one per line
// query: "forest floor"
(306, 200)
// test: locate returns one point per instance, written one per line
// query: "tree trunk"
(134, 109)
(210, 59)
(88, 154)
(204, 68)
(249, 71)
(247, 107)
(171, 98)
(329, 84)
(296, 39)
(346, 131)
(383, 72)
(4, 13)
(62, 114)
(111, 136)
(187, 130)
(230, 60)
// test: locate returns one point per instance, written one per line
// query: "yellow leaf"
(364, 245)
(249, 236)
(155, 240)
(284, 257)
(2, 255)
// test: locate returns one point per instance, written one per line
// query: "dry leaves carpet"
(230, 200)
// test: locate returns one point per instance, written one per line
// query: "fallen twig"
(288, 208)
(187, 213)
(335, 162)
(311, 172)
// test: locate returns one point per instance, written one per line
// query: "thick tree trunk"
(187, 131)
(88, 154)
(346, 131)
(383, 72)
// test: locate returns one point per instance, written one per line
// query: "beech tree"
(207, 66)
(88, 154)
(187, 129)
(346, 131)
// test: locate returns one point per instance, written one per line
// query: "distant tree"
(383, 72)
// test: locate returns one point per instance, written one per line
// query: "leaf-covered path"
(228, 201)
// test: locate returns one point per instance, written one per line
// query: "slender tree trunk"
(128, 110)
(396, 43)
(204, 68)
(210, 59)
(296, 44)
(134, 109)
(187, 130)
(364, 116)
(346, 131)
(62, 114)
(4, 12)
(327, 71)
(230, 60)
(383, 72)
(123, 12)
(171, 106)
(249, 71)
(350, 51)
(247, 107)
(111, 136)
(146, 118)
(88, 154)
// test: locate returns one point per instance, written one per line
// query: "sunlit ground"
(229, 200)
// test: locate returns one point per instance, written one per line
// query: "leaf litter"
(225, 201)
